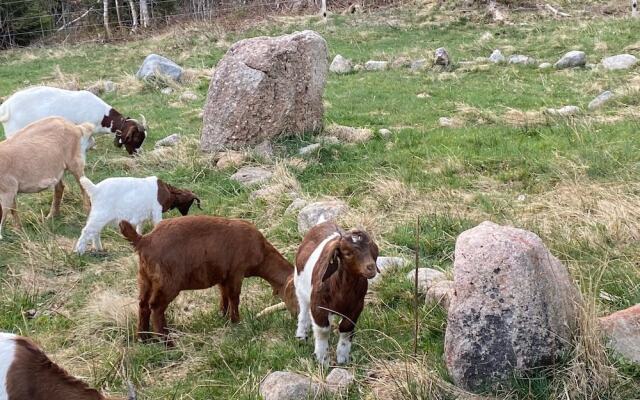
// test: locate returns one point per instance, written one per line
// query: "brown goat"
(198, 252)
(26, 373)
(332, 272)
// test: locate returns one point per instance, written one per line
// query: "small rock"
(521, 59)
(545, 65)
(450, 122)
(376, 65)
(401, 62)
(521, 197)
(188, 96)
(623, 330)
(566, 111)
(496, 57)
(340, 65)
(314, 213)
(621, 61)
(264, 149)
(386, 264)
(169, 141)
(427, 277)
(252, 175)
(281, 385)
(109, 86)
(423, 95)
(358, 67)
(572, 59)
(441, 293)
(349, 134)
(155, 65)
(600, 101)
(166, 90)
(309, 149)
(486, 37)
(418, 65)
(339, 379)
(441, 57)
(229, 158)
(296, 204)
(385, 133)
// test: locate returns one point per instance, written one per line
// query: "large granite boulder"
(265, 87)
(155, 66)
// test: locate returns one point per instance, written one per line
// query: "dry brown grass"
(62, 80)
(521, 118)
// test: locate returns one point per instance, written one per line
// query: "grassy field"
(573, 181)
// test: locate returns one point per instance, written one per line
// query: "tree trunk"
(134, 15)
(105, 16)
(144, 14)
(117, 3)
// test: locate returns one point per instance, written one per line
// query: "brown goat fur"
(35, 158)
(171, 197)
(198, 252)
(128, 132)
(33, 376)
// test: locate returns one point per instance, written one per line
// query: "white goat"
(135, 200)
(32, 104)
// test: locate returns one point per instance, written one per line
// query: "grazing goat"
(35, 159)
(198, 252)
(332, 268)
(32, 104)
(130, 199)
(26, 373)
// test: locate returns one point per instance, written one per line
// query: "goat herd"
(49, 131)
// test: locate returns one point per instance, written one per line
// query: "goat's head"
(171, 197)
(132, 134)
(355, 252)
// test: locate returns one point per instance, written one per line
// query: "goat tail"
(4, 114)
(130, 233)
(88, 186)
(87, 129)
(272, 309)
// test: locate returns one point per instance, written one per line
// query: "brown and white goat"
(26, 373)
(198, 252)
(331, 278)
(35, 158)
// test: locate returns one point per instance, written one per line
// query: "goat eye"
(347, 254)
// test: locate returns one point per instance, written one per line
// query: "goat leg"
(58, 191)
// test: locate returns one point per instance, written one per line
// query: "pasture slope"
(574, 181)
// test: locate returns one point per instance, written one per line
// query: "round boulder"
(282, 385)
(315, 213)
(155, 65)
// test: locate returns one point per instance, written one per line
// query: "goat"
(198, 252)
(131, 199)
(331, 278)
(26, 373)
(32, 104)
(35, 159)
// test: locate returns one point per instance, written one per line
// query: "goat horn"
(144, 122)
(272, 309)
(131, 391)
(198, 203)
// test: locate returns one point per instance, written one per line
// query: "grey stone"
(155, 65)
(282, 385)
(441, 293)
(441, 57)
(545, 65)
(623, 331)
(166, 90)
(447, 122)
(571, 60)
(188, 96)
(521, 59)
(376, 65)
(110, 86)
(309, 149)
(566, 111)
(169, 141)
(418, 65)
(341, 65)
(621, 61)
(314, 213)
(385, 133)
(296, 204)
(252, 175)
(358, 67)
(515, 307)
(427, 277)
(386, 265)
(349, 134)
(600, 101)
(339, 379)
(496, 57)
(266, 87)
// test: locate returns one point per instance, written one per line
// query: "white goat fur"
(32, 104)
(7, 354)
(134, 200)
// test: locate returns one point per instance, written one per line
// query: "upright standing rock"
(514, 307)
(441, 57)
(265, 87)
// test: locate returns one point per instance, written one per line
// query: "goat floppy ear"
(331, 258)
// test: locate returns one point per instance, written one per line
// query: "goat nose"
(371, 268)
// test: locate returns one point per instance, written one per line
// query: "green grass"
(578, 178)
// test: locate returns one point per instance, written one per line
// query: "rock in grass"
(621, 61)
(349, 134)
(339, 379)
(169, 141)
(515, 307)
(447, 122)
(376, 65)
(384, 132)
(521, 59)
(166, 90)
(249, 176)
(386, 265)
(314, 213)
(296, 204)
(282, 385)
(441, 57)
(341, 65)
(229, 158)
(427, 277)
(188, 96)
(623, 330)
(309, 149)
(156, 66)
(566, 111)
(496, 57)
(545, 65)
(601, 100)
(571, 60)
(441, 293)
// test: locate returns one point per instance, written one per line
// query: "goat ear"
(332, 260)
